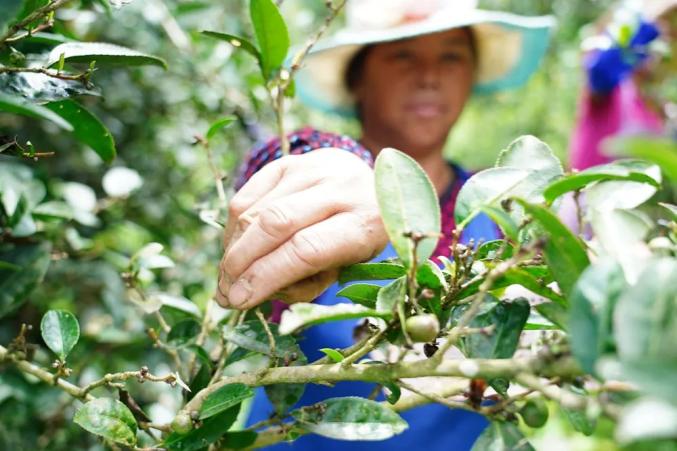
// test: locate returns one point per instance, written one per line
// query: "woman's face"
(411, 92)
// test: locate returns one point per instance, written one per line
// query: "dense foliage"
(115, 167)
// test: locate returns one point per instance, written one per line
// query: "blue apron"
(434, 426)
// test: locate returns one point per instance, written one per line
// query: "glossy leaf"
(108, 418)
(371, 271)
(61, 331)
(502, 437)
(237, 42)
(224, 398)
(503, 220)
(308, 314)
(87, 128)
(238, 439)
(614, 194)
(579, 180)
(408, 203)
(508, 319)
(183, 332)
(555, 313)
(529, 152)
(211, 430)
(350, 418)
(391, 295)
(361, 293)
(271, 34)
(102, 53)
(216, 126)
(17, 105)
(29, 263)
(563, 251)
(430, 275)
(590, 318)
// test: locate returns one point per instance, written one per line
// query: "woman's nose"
(428, 74)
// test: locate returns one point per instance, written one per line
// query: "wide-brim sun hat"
(509, 47)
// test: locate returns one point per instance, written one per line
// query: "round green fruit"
(182, 423)
(422, 328)
(535, 413)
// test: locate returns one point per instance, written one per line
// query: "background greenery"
(154, 115)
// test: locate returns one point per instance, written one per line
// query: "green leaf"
(430, 275)
(212, 429)
(17, 105)
(102, 53)
(487, 187)
(502, 437)
(350, 418)
(393, 392)
(252, 336)
(87, 128)
(308, 314)
(29, 265)
(490, 249)
(508, 319)
(529, 152)
(408, 203)
(391, 295)
(564, 253)
(271, 34)
(238, 439)
(61, 331)
(613, 194)
(579, 180)
(237, 42)
(183, 332)
(108, 418)
(671, 208)
(333, 354)
(554, 313)
(361, 293)
(661, 151)
(224, 398)
(218, 125)
(53, 209)
(503, 220)
(10, 9)
(580, 421)
(371, 271)
(592, 302)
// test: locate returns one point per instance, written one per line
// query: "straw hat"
(509, 46)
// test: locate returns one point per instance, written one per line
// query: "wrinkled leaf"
(308, 314)
(371, 271)
(408, 203)
(101, 52)
(350, 418)
(252, 336)
(224, 398)
(61, 331)
(108, 418)
(271, 34)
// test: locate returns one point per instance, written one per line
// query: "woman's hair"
(355, 67)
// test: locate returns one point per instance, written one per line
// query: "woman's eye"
(453, 57)
(402, 55)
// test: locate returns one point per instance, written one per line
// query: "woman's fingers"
(274, 222)
(341, 239)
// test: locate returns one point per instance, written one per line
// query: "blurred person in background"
(405, 69)
(631, 79)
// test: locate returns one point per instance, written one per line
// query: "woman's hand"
(294, 224)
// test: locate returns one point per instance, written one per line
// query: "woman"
(405, 69)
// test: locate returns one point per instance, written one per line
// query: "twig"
(363, 350)
(562, 397)
(436, 398)
(83, 77)
(32, 17)
(142, 375)
(271, 338)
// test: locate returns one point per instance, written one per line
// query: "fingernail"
(239, 293)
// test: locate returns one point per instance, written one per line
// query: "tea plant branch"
(141, 375)
(563, 397)
(434, 397)
(32, 17)
(82, 77)
(269, 334)
(388, 372)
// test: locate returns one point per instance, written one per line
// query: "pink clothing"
(621, 112)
